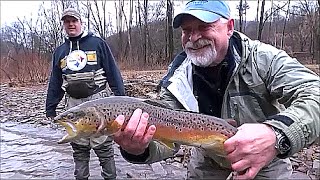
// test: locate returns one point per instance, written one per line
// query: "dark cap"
(71, 12)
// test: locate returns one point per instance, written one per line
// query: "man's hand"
(250, 149)
(136, 136)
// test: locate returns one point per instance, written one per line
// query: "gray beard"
(205, 60)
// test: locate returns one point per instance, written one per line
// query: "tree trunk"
(284, 26)
(170, 46)
(317, 42)
(260, 27)
(270, 25)
(145, 31)
(240, 16)
(257, 17)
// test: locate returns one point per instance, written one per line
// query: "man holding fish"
(273, 98)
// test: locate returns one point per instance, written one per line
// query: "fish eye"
(70, 116)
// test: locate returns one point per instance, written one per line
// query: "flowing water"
(30, 151)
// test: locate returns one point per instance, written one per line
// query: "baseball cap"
(205, 10)
(71, 12)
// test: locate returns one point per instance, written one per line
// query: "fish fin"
(157, 103)
(232, 122)
(219, 158)
(71, 131)
(170, 145)
(67, 138)
(215, 147)
(219, 153)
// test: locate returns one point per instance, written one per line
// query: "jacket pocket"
(245, 108)
(81, 89)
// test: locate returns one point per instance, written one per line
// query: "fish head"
(72, 114)
(79, 122)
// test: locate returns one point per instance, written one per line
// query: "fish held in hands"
(172, 126)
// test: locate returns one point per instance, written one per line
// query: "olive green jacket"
(267, 86)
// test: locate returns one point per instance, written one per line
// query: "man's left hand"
(250, 149)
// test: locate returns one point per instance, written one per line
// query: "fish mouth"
(71, 131)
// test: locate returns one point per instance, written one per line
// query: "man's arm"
(298, 88)
(54, 92)
(113, 74)
(295, 86)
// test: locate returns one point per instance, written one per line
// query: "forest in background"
(141, 36)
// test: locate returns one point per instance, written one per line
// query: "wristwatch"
(283, 144)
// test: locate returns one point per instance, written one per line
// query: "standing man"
(83, 67)
(274, 99)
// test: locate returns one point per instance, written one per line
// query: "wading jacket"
(265, 85)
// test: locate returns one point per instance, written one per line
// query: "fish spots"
(187, 127)
(178, 129)
(163, 113)
(106, 111)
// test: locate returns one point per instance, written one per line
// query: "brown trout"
(172, 126)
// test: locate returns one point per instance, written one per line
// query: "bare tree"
(119, 25)
(169, 32)
(284, 26)
(129, 27)
(317, 42)
(24, 59)
(242, 9)
(270, 22)
(145, 31)
(258, 5)
(260, 26)
(98, 14)
(311, 20)
(52, 16)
